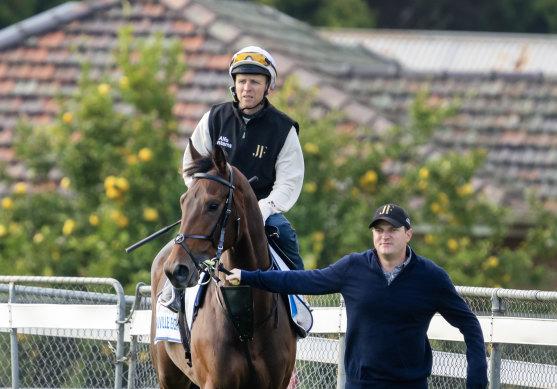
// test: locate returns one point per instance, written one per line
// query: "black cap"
(392, 214)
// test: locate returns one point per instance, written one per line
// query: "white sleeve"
(289, 178)
(201, 140)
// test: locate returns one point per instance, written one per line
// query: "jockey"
(260, 141)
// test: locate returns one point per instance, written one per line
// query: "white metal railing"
(109, 323)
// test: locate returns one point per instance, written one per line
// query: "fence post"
(120, 359)
(13, 341)
(498, 308)
(341, 378)
(133, 359)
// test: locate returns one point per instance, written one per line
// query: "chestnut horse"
(221, 221)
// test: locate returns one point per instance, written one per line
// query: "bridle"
(221, 222)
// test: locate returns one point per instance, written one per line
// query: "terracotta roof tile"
(6, 87)
(183, 27)
(6, 154)
(52, 39)
(219, 62)
(152, 9)
(200, 15)
(193, 43)
(511, 116)
(175, 4)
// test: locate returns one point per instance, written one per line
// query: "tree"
(113, 147)
(350, 173)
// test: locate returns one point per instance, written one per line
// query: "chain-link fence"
(100, 338)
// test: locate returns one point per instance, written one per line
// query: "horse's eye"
(212, 206)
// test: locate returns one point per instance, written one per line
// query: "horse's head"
(213, 211)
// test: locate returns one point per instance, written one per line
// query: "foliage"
(351, 172)
(15, 11)
(331, 13)
(535, 16)
(113, 147)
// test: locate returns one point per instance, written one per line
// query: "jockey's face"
(250, 89)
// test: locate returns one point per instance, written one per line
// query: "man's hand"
(235, 278)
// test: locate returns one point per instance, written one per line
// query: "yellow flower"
(131, 159)
(492, 262)
(355, 192)
(104, 89)
(368, 180)
(444, 199)
(452, 244)
(20, 188)
(119, 218)
(318, 235)
(143, 357)
(38, 237)
(310, 187)
(65, 183)
(329, 184)
(68, 227)
(124, 82)
(465, 190)
(150, 214)
(311, 148)
(145, 155)
(435, 208)
(93, 220)
(122, 184)
(48, 272)
(429, 239)
(67, 117)
(112, 193)
(109, 182)
(424, 173)
(422, 185)
(3, 230)
(7, 203)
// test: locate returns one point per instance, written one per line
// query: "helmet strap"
(234, 95)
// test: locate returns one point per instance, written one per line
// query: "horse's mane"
(200, 165)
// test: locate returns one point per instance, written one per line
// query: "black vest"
(254, 147)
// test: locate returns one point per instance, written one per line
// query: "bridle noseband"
(223, 219)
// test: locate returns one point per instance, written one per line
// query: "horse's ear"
(219, 159)
(193, 151)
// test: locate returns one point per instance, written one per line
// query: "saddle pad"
(167, 321)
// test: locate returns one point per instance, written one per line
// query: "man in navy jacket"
(391, 294)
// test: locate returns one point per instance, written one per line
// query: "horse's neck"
(250, 256)
(251, 251)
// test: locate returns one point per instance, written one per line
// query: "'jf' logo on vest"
(260, 151)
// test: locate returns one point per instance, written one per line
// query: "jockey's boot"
(169, 298)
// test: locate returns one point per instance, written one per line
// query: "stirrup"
(172, 303)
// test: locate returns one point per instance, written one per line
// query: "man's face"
(250, 89)
(390, 241)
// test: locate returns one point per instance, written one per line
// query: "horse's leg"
(168, 373)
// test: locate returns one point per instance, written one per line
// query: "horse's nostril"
(179, 275)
